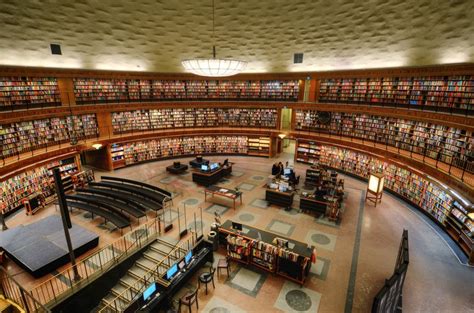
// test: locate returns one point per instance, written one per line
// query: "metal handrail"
(151, 274)
(53, 290)
(12, 290)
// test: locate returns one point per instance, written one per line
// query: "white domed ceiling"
(151, 35)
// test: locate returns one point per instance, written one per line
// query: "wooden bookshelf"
(454, 93)
(139, 120)
(17, 93)
(25, 136)
(450, 145)
(90, 90)
(238, 248)
(259, 146)
(145, 150)
(38, 180)
(260, 248)
(433, 198)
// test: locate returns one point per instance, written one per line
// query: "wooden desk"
(313, 205)
(229, 193)
(281, 198)
(211, 178)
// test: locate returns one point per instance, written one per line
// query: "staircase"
(140, 275)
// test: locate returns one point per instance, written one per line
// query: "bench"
(147, 194)
(143, 202)
(107, 201)
(137, 183)
(118, 221)
(123, 197)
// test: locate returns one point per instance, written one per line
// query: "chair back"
(191, 297)
(212, 270)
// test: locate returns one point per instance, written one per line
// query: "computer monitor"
(149, 292)
(204, 167)
(172, 271)
(287, 171)
(181, 265)
(237, 226)
(214, 166)
(188, 256)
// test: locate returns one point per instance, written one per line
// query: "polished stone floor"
(354, 257)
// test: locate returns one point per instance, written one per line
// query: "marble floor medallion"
(321, 239)
(298, 300)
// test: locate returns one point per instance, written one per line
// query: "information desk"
(163, 300)
(280, 198)
(197, 163)
(211, 177)
(292, 261)
(177, 169)
(224, 192)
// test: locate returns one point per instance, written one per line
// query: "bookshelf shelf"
(90, 90)
(139, 151)
(139, 120)
(450, 145)
(35, 134)
(453, 94)
(436, 200)
(260, 248)
(38, 180)
(18, 93)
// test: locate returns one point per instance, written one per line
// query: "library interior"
(223, 156)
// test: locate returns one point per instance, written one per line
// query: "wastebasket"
(212, 237)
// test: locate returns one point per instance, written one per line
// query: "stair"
(133, 282)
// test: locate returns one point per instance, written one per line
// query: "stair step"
(124, 292)
(119, 303)
(154, 255)
(146, 263)
(131, 281)
(162, 246)
(137, 271)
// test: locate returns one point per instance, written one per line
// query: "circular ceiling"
(150, 35)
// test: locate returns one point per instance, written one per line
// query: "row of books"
(139, 151)
(89, 90)
(443, 91)
(428, 195)
(446, 144)
(25, 136)
(127, 121)
(20, 91)
(38, 180)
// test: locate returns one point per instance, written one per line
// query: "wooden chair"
(223, 263)
(207, 277)
(188, 300)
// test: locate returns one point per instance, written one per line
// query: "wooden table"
(224, 192)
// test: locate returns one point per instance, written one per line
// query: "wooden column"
(104, 123)
(314, 90)
(66, 91)
(300, 90)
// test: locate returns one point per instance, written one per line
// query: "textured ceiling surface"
(155, 35)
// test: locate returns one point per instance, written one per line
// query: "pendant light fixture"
(214, 67)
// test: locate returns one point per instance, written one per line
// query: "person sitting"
(280, 168)
(275, 169)
(319, 193)
(292, 177)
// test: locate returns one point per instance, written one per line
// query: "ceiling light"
(97, 146)
(282, 136)
(214, 67)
